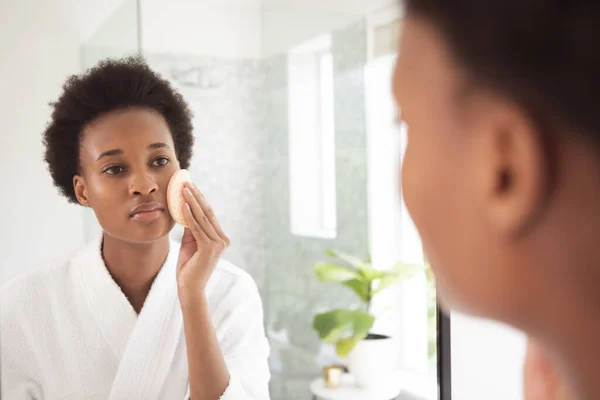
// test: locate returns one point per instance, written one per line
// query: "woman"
(131, 316)
(502, 168)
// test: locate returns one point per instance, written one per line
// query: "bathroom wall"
(39, 49)
(228, 29)
(228, 163)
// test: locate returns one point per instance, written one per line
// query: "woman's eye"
(116, 169)
(161, 161)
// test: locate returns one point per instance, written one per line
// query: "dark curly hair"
(543, 54)
(113, 84)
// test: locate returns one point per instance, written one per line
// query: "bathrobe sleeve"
(18, 366)
(239, 327)
(16, 381)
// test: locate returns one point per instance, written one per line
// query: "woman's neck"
(570, 326)
(579, 339)
(134, 266)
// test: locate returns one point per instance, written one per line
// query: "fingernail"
(189, 192)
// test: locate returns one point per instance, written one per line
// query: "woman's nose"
(143, 185)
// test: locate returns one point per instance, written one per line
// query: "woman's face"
(449, 177)
(127, 158)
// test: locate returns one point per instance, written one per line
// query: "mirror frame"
(444, 364)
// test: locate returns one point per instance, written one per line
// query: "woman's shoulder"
(51, 270)
(28, 303)
(228, 280)
(232, 295)
(228, 269)
(28, 288)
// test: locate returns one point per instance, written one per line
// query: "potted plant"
(369, 355)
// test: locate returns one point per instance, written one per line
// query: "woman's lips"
(147, 211)
(147, 216)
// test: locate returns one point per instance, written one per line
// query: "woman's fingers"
(200, 219)
(193, 226)
(209, 213)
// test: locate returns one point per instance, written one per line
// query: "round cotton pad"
(175, 200)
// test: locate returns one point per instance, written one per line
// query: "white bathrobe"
(67, 332)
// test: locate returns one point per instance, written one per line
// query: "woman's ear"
(80, 190)
(514, 172)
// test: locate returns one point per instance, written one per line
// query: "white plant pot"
(372, 360)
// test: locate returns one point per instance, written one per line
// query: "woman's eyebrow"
(119, 152)
(158, 145)
(109, 153)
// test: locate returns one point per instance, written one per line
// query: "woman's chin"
(141, 233)
(152, 232)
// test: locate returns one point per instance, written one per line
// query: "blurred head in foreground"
(502, 169)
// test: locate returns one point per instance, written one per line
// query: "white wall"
(357, 7)
(228, 29)
(39, 47)
(287, 23)
(487, 360)
(243, 28)
(93, 14)
(115, 33)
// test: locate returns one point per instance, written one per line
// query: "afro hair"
(539, 53)
(113, 84)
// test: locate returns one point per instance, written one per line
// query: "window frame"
(324, 226)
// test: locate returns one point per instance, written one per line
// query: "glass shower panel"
(117, 35)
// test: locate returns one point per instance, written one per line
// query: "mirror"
(297, 149)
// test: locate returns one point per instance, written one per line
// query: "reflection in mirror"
(296, 147)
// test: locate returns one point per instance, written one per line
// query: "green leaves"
(405, 271)
(361, 277)
(334, 273)
(347, 258)
(360, 287)
(344, 327)
(344, 346)
(399, 272)
(346, 275)
(367, 272)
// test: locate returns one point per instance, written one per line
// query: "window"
(407, 313)
(312, 139)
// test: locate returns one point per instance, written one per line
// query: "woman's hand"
(543, 381)
(202, 244)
